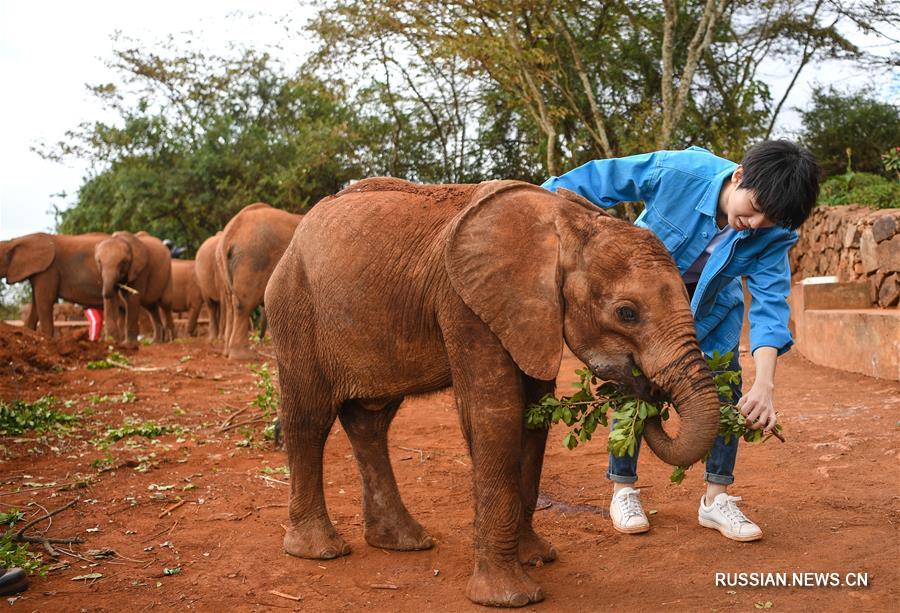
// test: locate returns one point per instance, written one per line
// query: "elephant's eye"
(626, 313)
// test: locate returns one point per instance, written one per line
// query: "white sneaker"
(724, 515)
(626, 512)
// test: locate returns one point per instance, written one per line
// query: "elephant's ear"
(30, 255)
(580, 200)
(138, 254)
(502, 257)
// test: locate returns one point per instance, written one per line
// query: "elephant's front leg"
(489, 395)
(532, 548)
(132, 312)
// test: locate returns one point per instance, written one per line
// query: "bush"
(861, 188)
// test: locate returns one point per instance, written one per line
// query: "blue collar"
(709, 205)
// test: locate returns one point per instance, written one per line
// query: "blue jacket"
(680, 190)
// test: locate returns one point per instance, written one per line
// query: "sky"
(50, 50)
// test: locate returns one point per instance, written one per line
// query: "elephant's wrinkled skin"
(143, 263)
(183, 292)
(390, 289)
(206, 275)
(57, 266)
(249, 248)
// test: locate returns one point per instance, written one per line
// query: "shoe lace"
(630, 505)
(732, 512)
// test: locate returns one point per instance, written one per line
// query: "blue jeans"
(719, 465)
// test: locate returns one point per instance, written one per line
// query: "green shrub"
(39, 416)
(861, 188)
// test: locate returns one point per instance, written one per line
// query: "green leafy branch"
(586, 409)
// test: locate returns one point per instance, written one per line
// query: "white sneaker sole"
(707, 523)
(632, 530)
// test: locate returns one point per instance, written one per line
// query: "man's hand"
(758, 406)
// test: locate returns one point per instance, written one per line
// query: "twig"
(172, 508)
(20, 534)
(419, 451)
(383, 586)
(265, 478)
(161, 532)
(40, 540)
(271, 506)
(45, 487)
(128, 289)
(231, 417)
(247, 422)
(288, 596)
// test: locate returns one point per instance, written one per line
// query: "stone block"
(884, 228)
(867, 250)
(866, 341)
(834, 296)
(889, 293)
(851, 236)
(887, 252)
(875, 285)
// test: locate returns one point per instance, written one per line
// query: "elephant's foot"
(241, 353)
(131, 343)
(506, 586)
(533, 549)
(315, 542)
(397, 531)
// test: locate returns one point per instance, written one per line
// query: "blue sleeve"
(769, 286)
(609, 182)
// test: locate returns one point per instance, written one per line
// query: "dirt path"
(827, 501)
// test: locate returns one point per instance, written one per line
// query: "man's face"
(741, 208)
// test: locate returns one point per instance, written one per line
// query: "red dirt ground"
(827, 501)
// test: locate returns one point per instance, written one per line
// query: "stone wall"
(853, 243)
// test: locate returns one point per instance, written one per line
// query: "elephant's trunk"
(690, 384)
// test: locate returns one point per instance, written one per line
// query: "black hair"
(785, 179)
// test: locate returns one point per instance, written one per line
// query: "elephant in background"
(207, 275)
(391, 289)
(57, 266)
(142, 263)
(249, 248)
(183, 292)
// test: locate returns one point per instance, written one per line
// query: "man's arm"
(609, 182)
(769, 286)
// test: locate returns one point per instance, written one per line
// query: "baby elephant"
(391, 288)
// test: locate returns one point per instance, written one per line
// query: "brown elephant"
(143, 264)
(207, 277)
(250, 247)
(391, 289)
(57, 266)
(183, 292)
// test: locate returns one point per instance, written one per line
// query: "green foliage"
(890, 159)
(39, 416)
(266, 399)
(585, 410)
(146, 429)
(196, 137)
(113, 360)
(861, 188)
(838, 121)
(12, 553)
(12, 297)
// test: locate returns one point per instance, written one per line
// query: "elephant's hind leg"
(388, 523)
(532, 548)
(307, 415)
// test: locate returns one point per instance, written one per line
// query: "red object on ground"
(95, 316)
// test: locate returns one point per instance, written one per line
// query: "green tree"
(837, 121)
(199, 136)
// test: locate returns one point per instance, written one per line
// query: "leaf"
(87, 577)
(172, 571)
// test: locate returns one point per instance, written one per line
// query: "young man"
(720, 221)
